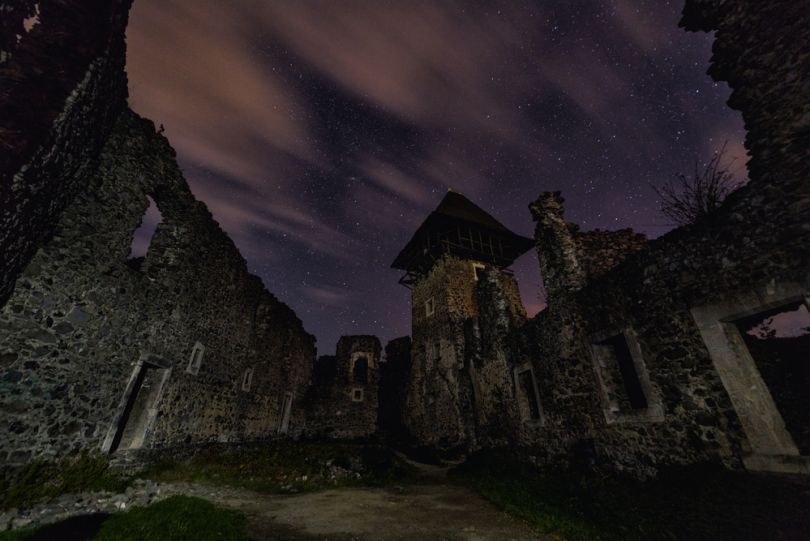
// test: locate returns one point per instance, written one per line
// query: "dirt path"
(425, 511)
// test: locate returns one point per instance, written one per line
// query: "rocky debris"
(142, 492)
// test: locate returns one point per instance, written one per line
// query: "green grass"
(179, 518)
(288, 467)
(16, 535)
(43, 481)
(276, 468)
(697, 503)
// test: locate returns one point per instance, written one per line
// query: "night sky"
(320, 134)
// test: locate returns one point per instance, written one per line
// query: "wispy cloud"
(320, 133)
(330, 296)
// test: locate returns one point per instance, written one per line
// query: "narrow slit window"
(195, 361)
(247, 379)
(357, 395)
(142, 236)
(430, 307)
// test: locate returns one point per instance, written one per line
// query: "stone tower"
(455, 250)
(342, 400)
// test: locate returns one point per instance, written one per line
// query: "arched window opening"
(360, 370)
(142, 237)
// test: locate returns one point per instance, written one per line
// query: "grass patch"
(288, 467)
(16, 535)
(43, 481)
(696, 503)
(179, 518)
(175, 519)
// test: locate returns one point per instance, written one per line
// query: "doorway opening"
(779, 343)
(139, 406)
(286, 408)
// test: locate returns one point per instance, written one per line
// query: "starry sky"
(321, 133)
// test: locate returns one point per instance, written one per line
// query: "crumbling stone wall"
(651, 296)
(343, 400)
(81, 318)
(760, 50)
(637, 360)
(598, 251)
(62, 86)
(671, 300)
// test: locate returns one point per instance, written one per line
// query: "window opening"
(143, 235)
(247, 379)
(527, 393)
(195, 361)
(360, 370)
(617, 353)
(429, 307)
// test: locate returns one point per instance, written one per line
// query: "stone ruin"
(342, 402)
(643, 358)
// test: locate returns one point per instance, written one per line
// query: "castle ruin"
(642, 359)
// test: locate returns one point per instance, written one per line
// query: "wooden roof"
(453, 212)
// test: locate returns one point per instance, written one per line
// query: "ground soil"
(428, 509)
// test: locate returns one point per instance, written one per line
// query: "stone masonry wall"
(80, 319)
(61, 88)
(599, 251)
(650, 296)
(441, 404)
(339, 403)
(761, 50)
(751, 253)
(490, 361)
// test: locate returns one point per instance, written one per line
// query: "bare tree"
(685, 199)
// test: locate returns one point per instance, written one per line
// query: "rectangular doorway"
(138, 407)
(759, 343)
(286, 409)
(779, 343)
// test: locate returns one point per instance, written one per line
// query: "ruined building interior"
(649, 353)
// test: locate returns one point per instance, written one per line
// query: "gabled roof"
(456, 205)
(457, 209)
